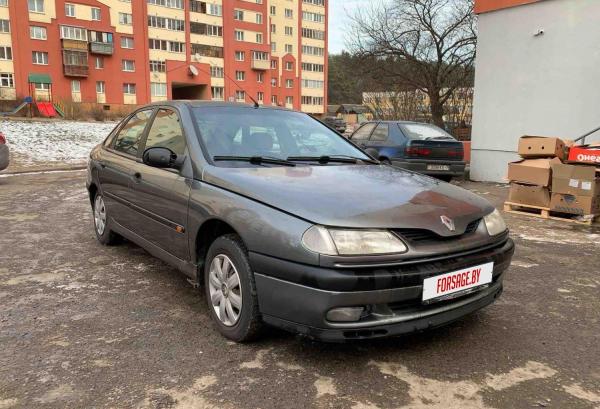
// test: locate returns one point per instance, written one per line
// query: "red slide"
(46, 109)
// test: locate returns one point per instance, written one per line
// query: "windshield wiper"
(255, 160)
(330, 158)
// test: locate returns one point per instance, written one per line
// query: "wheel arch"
(208, 232)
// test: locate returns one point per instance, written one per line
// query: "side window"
(166, 132)
(381, 133)
(128, 138)
(363, 132)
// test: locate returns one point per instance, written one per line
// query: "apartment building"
(115, 52)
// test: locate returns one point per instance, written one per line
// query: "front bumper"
(4, 156)
(456, 168)
(395, 310)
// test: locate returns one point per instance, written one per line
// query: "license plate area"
(438, 167)
(457, 283)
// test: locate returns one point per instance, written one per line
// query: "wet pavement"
(87, 326)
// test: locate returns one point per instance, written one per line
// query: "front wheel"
(101, 228)
(230, 289)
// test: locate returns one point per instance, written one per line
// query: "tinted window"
(267, 132)
(380, 133)
(424, 131)
(363, 132)
(166, 132)
(128, 138)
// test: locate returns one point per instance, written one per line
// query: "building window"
(260, 77)
(273, 82)
(36, 6)
(207, 50)
(38, 57)
(128, 65)
(125, 19)
(155, 44)
(312, 84)
(289, 48)
(158, 89)
(176, 47)
(289, 83)
(166, 23)
(3, 3)
(129, 89)
(259, 18)
(240, 96)
(41, 86)
(260, 96)
(174, 4)
(126, 42)
(260, 55)
(273, 10)
(38, 33)
(289, 100)
(69, 10)
(273, 46)
(306, 66)
(259, 38)
(238, 15)
(75, 86)
(216, 72)
(4, 26)
(158, 66)
(313, 17)
(215, 10)
(95, 13)
(76, 58)
(273, 29)
(273, 64)
(308, 100)
(240, 56)
(308, 49)
(218, 93)
(100, 37)
(315, 2)
(73, 33)
(289, 13)
(99, 63)
(274, 99)
(289, 66)
(239, 35)
(100, 87)
(240, 75)
(7, 80)
(289, 31)
(206, 29)
(312, 33)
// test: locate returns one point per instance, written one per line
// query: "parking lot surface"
(87, 326)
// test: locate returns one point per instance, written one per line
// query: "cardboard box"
(579, 180)
(574, 204)
(540, 147)
(585, 154)
(532, 171)
(532, 195)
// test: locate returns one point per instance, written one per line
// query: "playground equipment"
(26, 102)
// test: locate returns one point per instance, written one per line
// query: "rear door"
(160, 196)
(362, 134)
(380, 137)
(117, 168)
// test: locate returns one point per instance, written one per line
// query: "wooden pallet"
(546, 213)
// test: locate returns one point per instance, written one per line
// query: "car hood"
(355, 196)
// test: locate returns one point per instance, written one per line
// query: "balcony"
(101, 48)
(261, 65)
(74, 45)
(76, 70)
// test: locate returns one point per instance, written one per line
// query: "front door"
(160, 196)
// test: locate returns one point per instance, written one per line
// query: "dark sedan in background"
(286, 222)
(419, 147)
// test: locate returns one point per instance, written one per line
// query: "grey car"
(284, 222)
(4, 152)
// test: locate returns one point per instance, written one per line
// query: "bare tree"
(393, 105)
(425, 44)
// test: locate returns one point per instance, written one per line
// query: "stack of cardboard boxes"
(542, 180)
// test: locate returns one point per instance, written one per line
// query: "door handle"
(137, 177)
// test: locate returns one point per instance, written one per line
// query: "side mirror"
(372, 152)
(162, 158)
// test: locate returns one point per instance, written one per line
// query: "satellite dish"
(197, 56)
(193, 70)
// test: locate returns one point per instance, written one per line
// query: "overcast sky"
(339, 21)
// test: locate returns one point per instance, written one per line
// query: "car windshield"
(424, 132)
(272, 133)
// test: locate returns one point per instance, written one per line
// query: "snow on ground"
(58, 141)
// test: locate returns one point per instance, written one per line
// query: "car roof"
(400, 122)
(202, 103)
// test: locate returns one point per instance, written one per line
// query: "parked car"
(287, 223)
(4, 152)
(419, 147)
(336, 123)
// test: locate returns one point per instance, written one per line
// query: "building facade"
(535, 74)
(140, 51)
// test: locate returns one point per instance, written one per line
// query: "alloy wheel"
(225, 290)
(99, 215)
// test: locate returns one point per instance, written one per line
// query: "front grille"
(422, 235)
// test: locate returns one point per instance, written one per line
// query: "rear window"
(424, 132)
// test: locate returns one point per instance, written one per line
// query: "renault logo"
(448, 222)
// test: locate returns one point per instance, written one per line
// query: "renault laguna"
(284, 222)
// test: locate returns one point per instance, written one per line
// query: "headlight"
(341, 242)
(494, 223)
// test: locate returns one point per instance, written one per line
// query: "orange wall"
(483, 6)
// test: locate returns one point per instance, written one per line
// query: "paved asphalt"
(87, 326)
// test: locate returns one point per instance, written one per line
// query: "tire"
(232, 303)
(101, 226)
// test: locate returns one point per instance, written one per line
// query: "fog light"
(345, 314)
